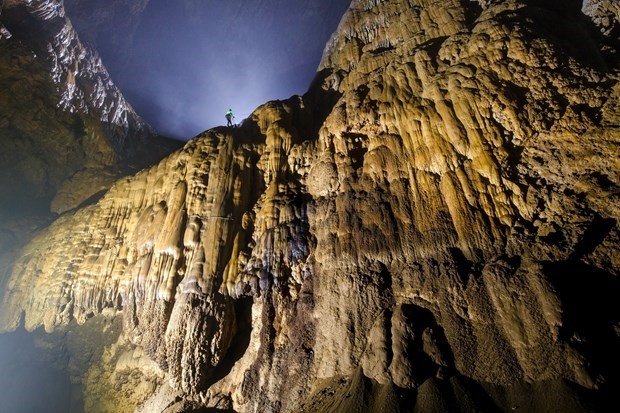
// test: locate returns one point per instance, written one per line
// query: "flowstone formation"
(66, 131)
(432, 227)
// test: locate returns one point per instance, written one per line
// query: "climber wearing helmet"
(229, 117)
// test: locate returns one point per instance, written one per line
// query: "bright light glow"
(191, 61)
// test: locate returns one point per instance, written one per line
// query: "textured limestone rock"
(83, 82)
(62, 120)
(605, 14)
(434, 226)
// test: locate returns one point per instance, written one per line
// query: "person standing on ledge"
(229, 117)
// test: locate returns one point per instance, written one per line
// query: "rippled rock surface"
(432, 227)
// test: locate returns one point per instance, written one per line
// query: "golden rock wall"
(437, 218)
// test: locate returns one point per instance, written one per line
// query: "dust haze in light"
(193, 60)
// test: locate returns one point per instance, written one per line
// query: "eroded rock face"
(433, 226)
(67, 132)
(83, 82)
(604, 14)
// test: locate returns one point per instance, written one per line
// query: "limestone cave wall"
(432, 227)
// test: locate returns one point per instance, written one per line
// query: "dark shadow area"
(473, 9)
(552, 396)
(241, 341)
(357, 148)
(422, 322)
(93, 199)
(22, 23)
(30, 381)
(595, 234)
(563, 23)
(590, 308)
(465, 268)
(321, 100)
(458, 394)
(562, 6)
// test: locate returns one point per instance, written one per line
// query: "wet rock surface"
(433, 226)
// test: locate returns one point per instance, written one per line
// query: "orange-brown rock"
(432, 227)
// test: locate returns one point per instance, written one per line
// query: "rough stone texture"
(62, 120)
(605, 14)
(433, 227)
(66, 132)
(83, 83)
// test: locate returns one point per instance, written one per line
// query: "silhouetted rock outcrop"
(432, 227)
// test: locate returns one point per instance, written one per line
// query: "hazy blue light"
(193, 60)
(29, 382)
